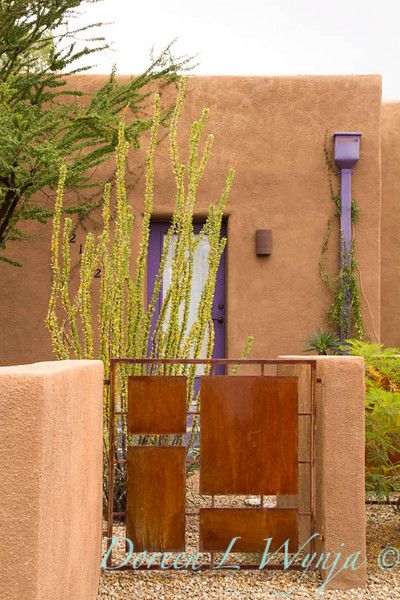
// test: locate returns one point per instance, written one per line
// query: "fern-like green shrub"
(382, 417)
(121, 325)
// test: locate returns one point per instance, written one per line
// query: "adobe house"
(272, 130)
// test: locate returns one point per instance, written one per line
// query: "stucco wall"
(271, 129)
(339, 462)
(390, 224)
(51, 480)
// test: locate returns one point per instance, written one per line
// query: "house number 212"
(72, 240)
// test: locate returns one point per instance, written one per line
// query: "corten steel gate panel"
(156, 498)
(248, 446)
(253, 421)
(157, 404)
(218, 526)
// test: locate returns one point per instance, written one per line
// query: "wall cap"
(48, 367)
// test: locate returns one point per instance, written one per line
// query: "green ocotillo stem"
(121, 324)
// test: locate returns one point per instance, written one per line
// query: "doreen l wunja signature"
(328, 563)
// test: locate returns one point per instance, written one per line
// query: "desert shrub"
(382, 417)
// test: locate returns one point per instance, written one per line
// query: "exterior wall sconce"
(346, 154)
(263, 242)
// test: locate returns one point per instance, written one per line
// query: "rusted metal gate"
(248, 446)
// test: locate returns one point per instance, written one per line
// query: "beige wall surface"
(339, 462)
(51, 480)
(272, 130)
(390, 319)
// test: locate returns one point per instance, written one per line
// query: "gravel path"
(383, 529)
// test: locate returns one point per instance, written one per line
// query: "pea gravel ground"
(383, 529)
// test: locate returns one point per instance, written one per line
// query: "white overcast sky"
(257, 37)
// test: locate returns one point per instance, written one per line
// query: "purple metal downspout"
(345, 216)
(345, 227)
(346, 154)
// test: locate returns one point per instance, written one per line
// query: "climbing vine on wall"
(344, 283)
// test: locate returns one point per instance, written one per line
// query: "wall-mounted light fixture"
(263, 242)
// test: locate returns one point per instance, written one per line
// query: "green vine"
(343, 284)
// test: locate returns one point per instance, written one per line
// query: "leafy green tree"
(44, 123)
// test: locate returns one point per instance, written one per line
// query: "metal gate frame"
(311, 414)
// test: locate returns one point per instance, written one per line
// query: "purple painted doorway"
(158, 229)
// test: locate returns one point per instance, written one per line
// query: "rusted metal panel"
(248, 435)
(155, 519)
(218, 526)
(157, 404)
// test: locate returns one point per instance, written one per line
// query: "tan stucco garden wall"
(339, 462)
(390, 299)
(272, 130)
(51, 480)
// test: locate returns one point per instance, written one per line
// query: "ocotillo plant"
(123, 319)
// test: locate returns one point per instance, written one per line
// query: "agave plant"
(323, 342)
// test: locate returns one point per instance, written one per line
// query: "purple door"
(158, 230)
